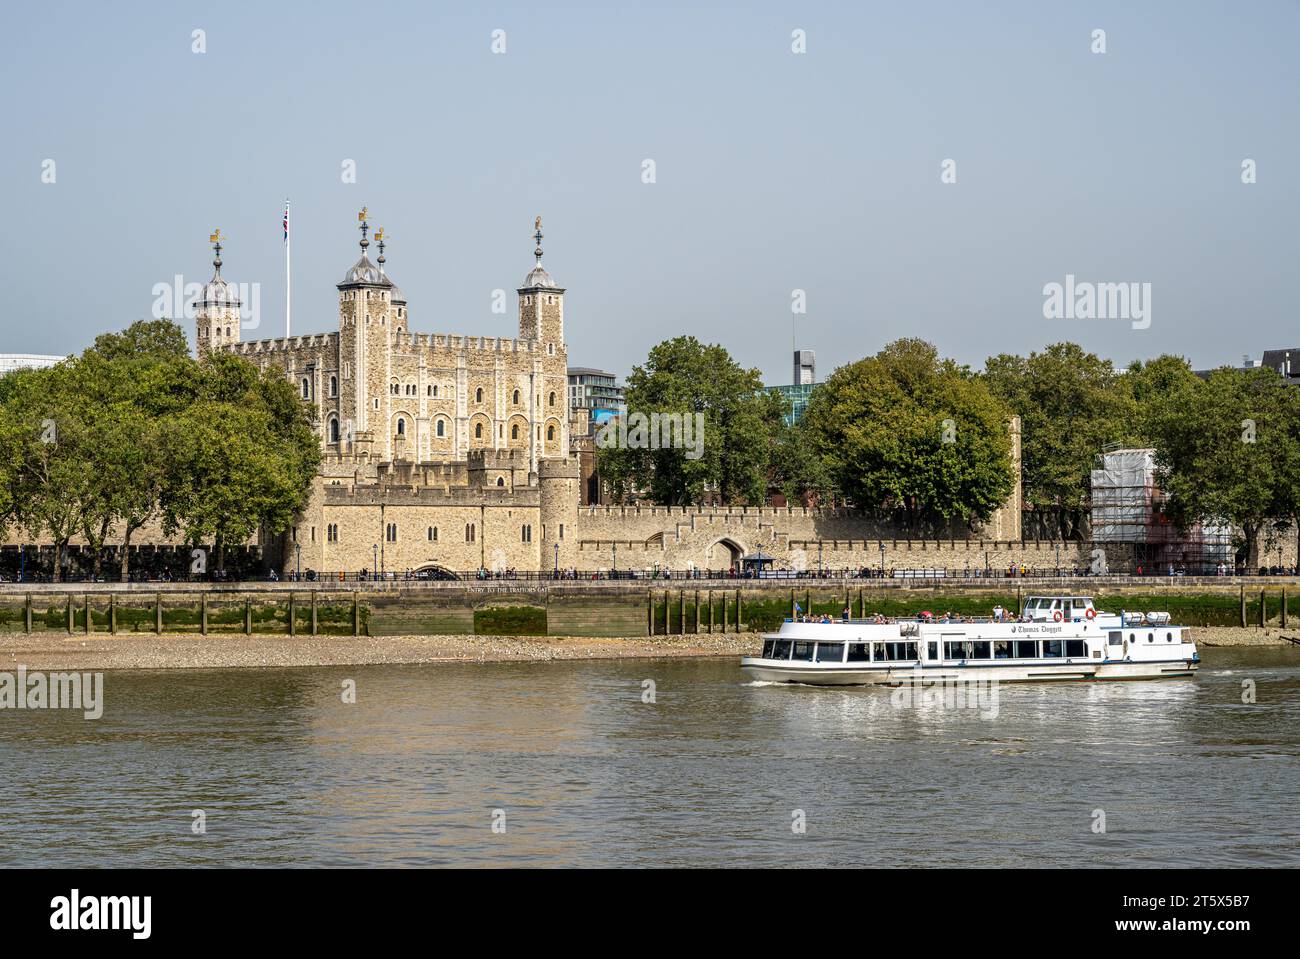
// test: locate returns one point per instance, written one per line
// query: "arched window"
(227, 331)
(551, 399)
(550, 432)
(433, 534)
(478, 395)
(334, 430)
(514, 397)
(478, 431)
(401, 426)
(442, 427)
(514, 431)
(306, 388)
(501, 481)
(334, 386)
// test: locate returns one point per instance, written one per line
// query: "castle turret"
(216, 315)
(367, 320)
(560, 481)
(541, 304)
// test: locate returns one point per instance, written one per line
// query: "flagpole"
(287, 288)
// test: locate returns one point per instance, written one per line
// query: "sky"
(775, 171)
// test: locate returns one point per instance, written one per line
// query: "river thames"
(564, 763)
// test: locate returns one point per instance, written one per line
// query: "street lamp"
(614, 545)
(557, 559)
(374, 570)
(819, 558)
(882, 560)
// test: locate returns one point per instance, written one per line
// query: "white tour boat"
(1054, 637)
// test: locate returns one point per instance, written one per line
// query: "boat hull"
(811, 674)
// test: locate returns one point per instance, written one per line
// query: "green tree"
(138, 382)
(914, 434)
(1071, 404)
(683, 378)
(243, 456)
(1226, 452)
(48, 440)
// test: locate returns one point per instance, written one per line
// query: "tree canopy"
(914, 434)
(134, 430)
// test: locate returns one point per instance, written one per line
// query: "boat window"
(830, 652)
(1169, 637)
(768, 646)
(782, 650)
(969, 649)
(1001, 649)
(859, 652)
(1056, 604)
(979, 649)
(1078, 604)
(1051, 648)
(933, 650)
(1117, 639)
(1151, 637)
(1024, 649)
(802, 651)
(895, 652)
(1075, 647)
(1132, 638)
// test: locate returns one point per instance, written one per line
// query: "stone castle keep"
(452, 453)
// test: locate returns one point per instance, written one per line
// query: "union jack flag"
(286, 222)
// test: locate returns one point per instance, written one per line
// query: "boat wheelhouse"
(1051, 638)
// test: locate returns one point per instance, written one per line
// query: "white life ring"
(1091, 614)
(1056, 616)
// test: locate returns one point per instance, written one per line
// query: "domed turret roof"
(217, 292)
(538, 278)
(365, 273)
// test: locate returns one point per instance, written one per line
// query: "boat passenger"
(845, 615)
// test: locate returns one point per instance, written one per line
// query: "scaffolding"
(1127, 508)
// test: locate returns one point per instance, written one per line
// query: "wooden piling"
(27, 613)
(313, 612)
(157, 613)
(203, 613)
(293, 613)
(356, 615)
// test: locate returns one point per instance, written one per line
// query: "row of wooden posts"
(728, 624)
(203, 614)
(727, 605)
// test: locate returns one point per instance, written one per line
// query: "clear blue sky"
(775, 171)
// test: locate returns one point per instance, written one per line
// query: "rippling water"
(711, 774)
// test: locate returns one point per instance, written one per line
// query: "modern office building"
(805, 381)
(596, 391)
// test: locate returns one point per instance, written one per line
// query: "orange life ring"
(1056, 616)
(1091, 614)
